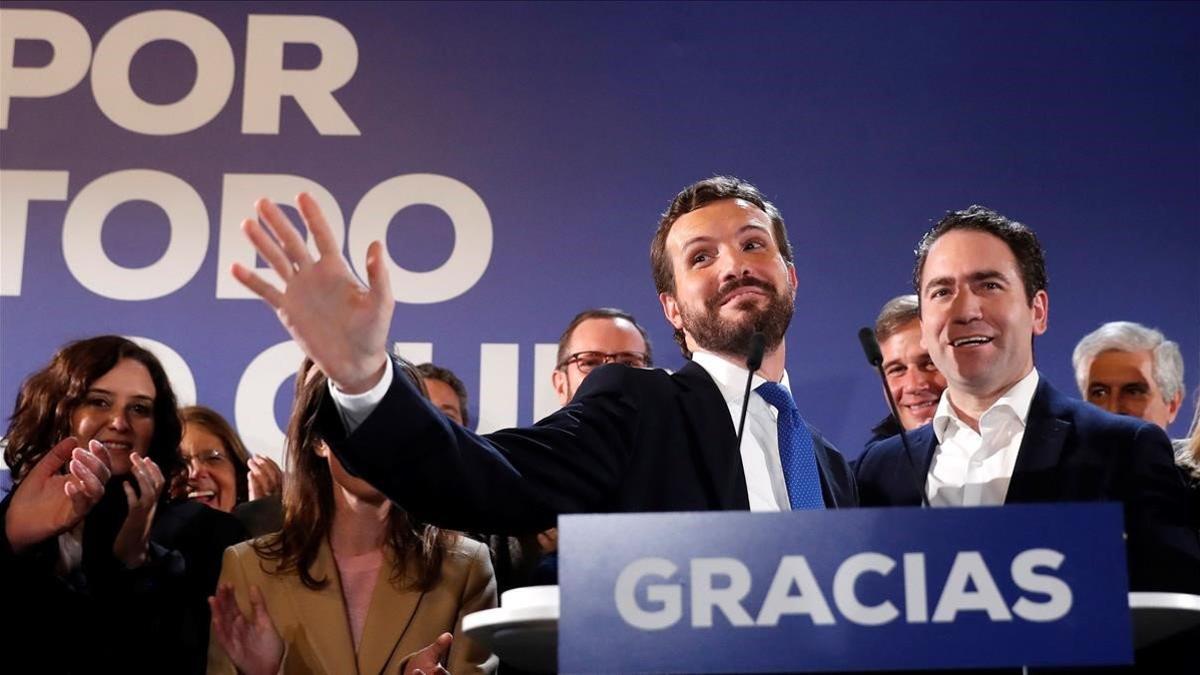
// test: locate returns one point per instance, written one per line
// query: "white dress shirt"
(760, 446)
(974, 468)
(765, 484)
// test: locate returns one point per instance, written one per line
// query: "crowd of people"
(151, 535)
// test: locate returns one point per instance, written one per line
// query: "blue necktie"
(796, 450)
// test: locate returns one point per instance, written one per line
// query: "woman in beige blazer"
(350, 584)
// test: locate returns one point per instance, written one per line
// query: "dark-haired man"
(596, 337)
(446, 391)
(631, 439)
(1004, 435)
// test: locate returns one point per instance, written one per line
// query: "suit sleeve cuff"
(355, 408)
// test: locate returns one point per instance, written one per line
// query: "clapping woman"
(97, 567)
(350, 584)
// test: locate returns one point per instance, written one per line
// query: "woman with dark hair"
(351, 583)
(90, 550)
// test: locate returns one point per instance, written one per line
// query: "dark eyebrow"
(973, 277)
(986, 275)
(98, 390)
(741, 230)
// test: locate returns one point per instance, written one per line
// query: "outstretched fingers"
(268, 248)
(271, 295)
(377, 276)
(285, 232)
(318, 227)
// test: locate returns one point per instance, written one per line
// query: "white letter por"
(114, 55)
(267, 82)
(72, 54)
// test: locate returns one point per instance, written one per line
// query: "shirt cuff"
(355, 408)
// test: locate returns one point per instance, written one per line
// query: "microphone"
(758, 345)
(870, 347)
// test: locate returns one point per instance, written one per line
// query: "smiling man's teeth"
(200, 493)
(973, 340)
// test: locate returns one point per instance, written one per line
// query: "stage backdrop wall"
(515, 158)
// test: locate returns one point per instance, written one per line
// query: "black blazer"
(1073, 452)
(631, 440)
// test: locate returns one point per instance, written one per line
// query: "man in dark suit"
(1001, 433)
(631, 439)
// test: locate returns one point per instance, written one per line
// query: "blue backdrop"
(571, 126)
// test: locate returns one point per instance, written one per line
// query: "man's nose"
(966, 306)
(735, 264)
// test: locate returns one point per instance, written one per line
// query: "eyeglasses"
(204, 458)
(588, 361)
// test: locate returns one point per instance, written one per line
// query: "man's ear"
(1041, 312)
(793, 280)
(1173, 406)
(671, 310)
(561, 386)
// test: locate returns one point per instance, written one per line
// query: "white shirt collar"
(731, 378)
(1017, 400)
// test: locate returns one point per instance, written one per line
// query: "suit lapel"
(1035, 475)
(714, 436)
(390, 614)
(323, 616)
(914, 476)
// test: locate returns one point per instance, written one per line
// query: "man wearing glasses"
(596, 337)
(630, 439)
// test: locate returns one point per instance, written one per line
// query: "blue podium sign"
(856, 589)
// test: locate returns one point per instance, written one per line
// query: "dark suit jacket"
(631, 440)
(1073, 452)
(163, 602)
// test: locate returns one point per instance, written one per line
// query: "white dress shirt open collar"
(971, 468)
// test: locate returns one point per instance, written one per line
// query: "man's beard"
(723, 336)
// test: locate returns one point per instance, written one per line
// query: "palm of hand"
(334, 318)
(255, 646)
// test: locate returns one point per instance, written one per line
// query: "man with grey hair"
(1129, 369)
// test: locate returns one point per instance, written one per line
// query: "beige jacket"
(316, 631)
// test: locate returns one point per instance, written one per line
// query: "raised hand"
(133, 539)
(48, 502)
(252, 642)
(338, 322)
(429, 660)
(265, 477)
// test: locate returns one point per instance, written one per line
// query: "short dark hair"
(694, 197)
(432, 372)
(896, 314)
(1031, 259)
(602, 313)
